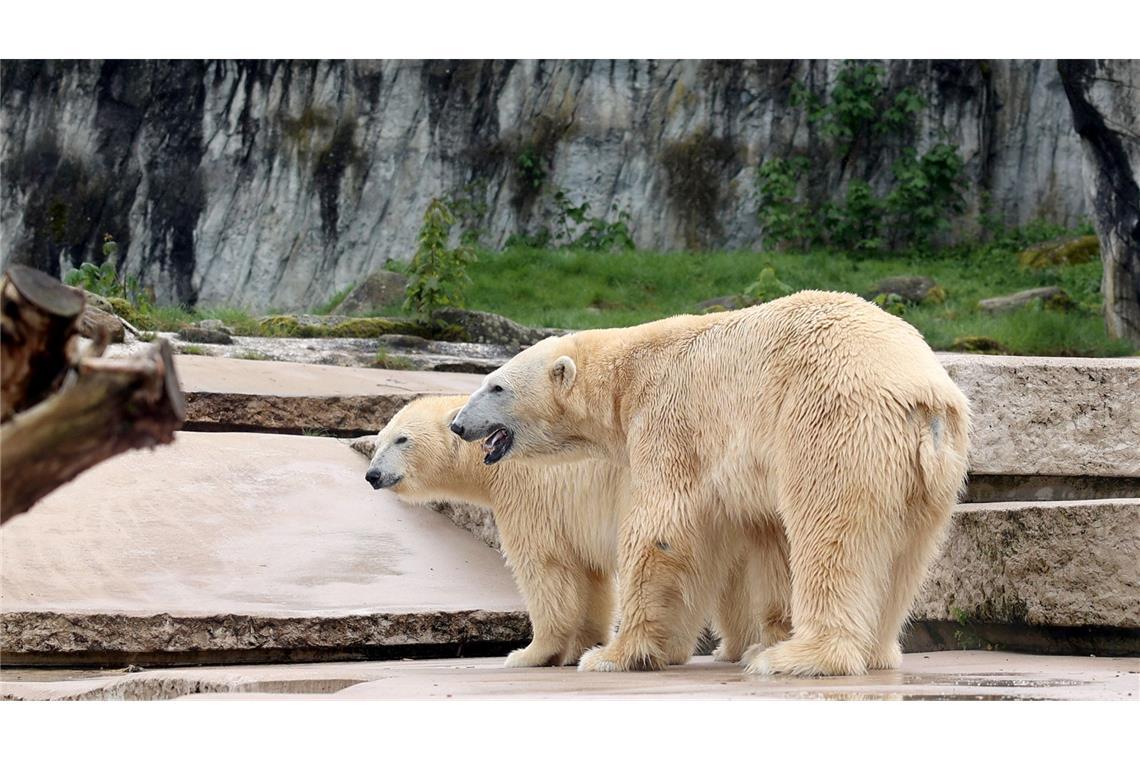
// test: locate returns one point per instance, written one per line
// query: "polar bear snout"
(378, 479)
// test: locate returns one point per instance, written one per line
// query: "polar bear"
(559, 526)
(818, 411)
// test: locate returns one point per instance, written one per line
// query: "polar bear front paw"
(598, 660)
(533, 657)
(888, 657)
(819, 657)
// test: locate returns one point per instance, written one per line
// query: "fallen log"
(63, 412)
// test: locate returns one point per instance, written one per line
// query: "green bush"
(574, 227)
(437, 274)
(863, 116)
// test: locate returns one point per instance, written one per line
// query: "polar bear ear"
(563, 371)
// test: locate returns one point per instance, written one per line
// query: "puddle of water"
(990, 681)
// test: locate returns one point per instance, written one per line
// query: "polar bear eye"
(401, 439)
(497, 389)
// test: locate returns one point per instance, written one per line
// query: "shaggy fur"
(817, 419)
(559, 526)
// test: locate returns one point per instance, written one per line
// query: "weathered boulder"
(95, 320)
(1055, 253)
(484, 327)
(378, 291)
(199, 334)
(1050, 297)
(1105, 99)
(214, 324)
(915, 289)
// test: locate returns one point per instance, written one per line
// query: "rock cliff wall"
(273, 184)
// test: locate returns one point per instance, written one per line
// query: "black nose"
(457, 429)
(374, 477)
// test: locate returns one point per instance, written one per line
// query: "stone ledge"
(53, 638)
(1051, 416)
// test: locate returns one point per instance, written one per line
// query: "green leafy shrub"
(767, 287)
(892, 303)
(863, 116)
(436, 275)
(784, 217)
(574, 227)
(927, 191)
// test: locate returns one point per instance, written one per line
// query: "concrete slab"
(933, 676)
(288, 397)
(243, 541)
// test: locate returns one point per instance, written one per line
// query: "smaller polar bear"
(559, 525)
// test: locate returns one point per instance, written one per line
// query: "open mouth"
(497, 444)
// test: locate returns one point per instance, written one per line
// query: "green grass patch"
(581, 289)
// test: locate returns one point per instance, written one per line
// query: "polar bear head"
(523, 406)
(416, 457)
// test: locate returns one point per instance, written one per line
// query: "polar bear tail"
(942, 452)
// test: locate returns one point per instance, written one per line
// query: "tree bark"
(62, 412)
(1105, 101)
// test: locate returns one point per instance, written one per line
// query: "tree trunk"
(1105, 100)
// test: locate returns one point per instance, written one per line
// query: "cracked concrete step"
(932, 676)
(229, 543)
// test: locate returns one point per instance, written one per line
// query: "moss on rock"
(289, 326)
(978, 344)
(1055, 253)
(125, 310)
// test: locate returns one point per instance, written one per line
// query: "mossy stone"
(1055, 253)
(978, 344)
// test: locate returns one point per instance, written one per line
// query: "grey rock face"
(275, 184)
(1053, 296)
(379, 290)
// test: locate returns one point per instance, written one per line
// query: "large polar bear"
(559, 526)
(818, 411)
